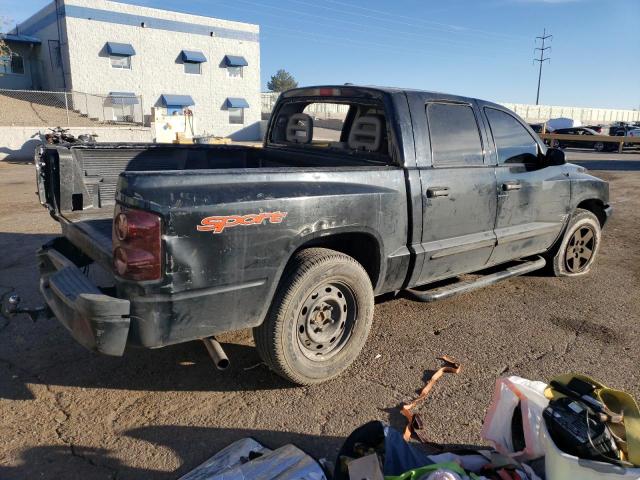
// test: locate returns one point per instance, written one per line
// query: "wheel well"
(362, 247)
(596, 207)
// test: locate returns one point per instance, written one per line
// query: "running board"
(447, 291)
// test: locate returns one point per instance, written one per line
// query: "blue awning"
(177, 100)
(233, 61)
(193, 56)
(123, 98)
(121, 49)
(237, 103)
(12, 37)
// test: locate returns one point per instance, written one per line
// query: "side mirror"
(554, 156)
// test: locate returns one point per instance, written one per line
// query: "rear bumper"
(97, 321)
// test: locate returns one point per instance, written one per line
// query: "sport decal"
(218, 224)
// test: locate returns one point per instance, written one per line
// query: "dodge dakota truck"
(392, 192)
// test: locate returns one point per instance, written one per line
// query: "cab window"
(514, 144)
(455, 138)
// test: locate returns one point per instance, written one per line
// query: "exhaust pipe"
(216, 353)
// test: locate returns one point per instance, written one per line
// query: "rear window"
(351, 127)
(455, 138)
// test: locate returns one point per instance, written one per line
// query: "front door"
(533, 201)
(459, 199)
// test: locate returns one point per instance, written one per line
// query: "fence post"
(66, 108)
(142, 110)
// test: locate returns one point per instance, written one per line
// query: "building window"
(235, 72)
(119, 61)
(12, 63)
(236, 116)
(192, 68)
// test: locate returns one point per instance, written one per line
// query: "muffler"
(216, 353)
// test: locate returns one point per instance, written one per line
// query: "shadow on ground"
(191, 445)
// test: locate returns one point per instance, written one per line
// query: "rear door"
(458, 187)
(533, 201)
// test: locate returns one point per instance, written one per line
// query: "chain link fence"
(69, 109)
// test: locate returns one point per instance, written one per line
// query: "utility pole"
(542, 58)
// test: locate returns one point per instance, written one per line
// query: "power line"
(542, 58)
(468, 44)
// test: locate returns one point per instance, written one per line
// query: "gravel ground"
(67, 413)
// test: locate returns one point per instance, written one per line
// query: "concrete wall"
(531, 113)
(17, 144)
(157, 67)
(586, 115)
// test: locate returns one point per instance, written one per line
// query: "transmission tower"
(542, 58)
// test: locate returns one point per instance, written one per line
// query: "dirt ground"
(67, 413)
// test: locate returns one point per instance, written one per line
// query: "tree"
(281, 81)
(5, 51)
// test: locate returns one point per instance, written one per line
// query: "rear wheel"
(320, 317)
(598, 147)
(579, 247)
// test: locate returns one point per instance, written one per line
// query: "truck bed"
(80, 181)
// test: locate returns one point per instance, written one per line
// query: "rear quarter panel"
(217, 282)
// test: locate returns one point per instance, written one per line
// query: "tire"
(573, 258)
(598, 147)
(555, 143)
(320, 317)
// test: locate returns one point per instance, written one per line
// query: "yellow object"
(618, 402)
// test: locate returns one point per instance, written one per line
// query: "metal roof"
(13, 37)
(237, 103)
(177, 100)
(121, 49)
(235, 61)
(193, 56)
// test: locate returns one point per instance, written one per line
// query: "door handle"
(511, 185)
(437, 192)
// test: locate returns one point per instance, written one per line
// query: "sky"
(477, 48)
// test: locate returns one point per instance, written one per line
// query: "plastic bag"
(498, 427)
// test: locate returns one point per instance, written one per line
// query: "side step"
(447, 291)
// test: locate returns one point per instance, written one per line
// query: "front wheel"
(577, 251)
(319, 319)
(598, 147)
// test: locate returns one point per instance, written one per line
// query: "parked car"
(596, 128)
(537, 127)
(295, 239)
(582, 139)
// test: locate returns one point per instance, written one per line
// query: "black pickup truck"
(396, 189)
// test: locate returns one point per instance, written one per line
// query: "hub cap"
(579, 250)
(325, 321)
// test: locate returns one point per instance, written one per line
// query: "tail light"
(137, 251)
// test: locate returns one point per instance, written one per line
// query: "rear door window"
(513, 142)
(455, 138)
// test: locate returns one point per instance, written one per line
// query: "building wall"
(48, 26)
(156, 68)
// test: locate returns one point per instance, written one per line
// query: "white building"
(121, 60)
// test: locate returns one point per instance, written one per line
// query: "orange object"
(414, 422)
